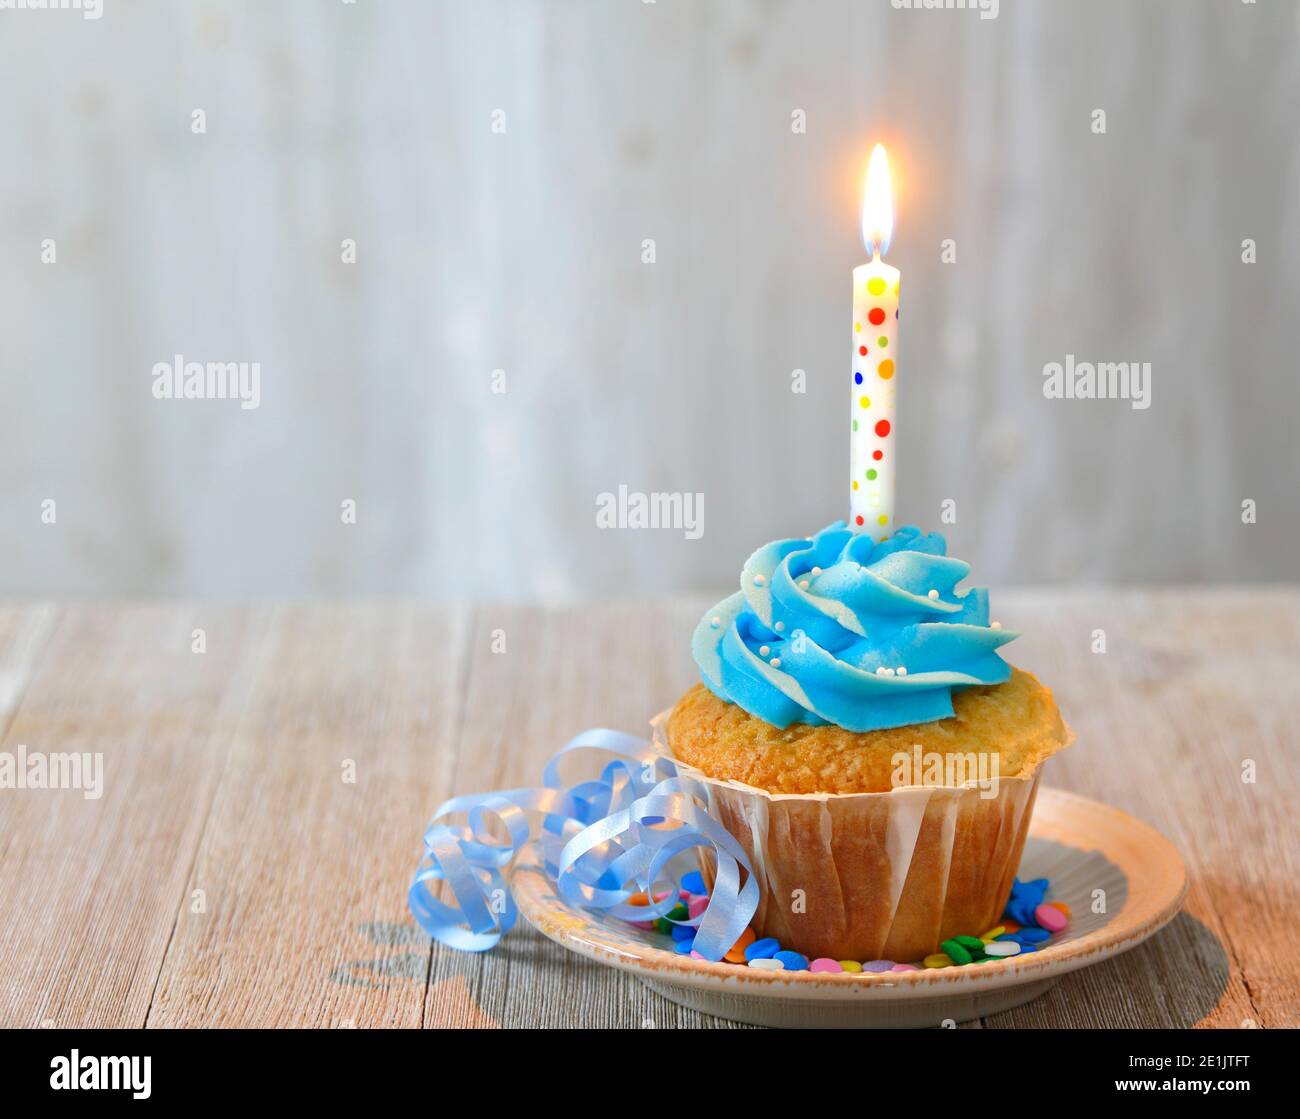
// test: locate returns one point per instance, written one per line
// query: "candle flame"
(877, 205)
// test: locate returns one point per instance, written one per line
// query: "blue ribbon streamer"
(601, 840)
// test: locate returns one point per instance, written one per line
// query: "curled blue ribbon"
(601, 840)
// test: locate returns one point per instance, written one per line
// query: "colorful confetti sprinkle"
(1005, 940)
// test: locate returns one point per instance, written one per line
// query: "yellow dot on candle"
(865, 401)
(855, 484)
(895, 289)
(885, 369)
(875, 285)
(883, 519)
(857, 328)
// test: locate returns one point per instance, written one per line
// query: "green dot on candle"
(871, 475)
(855, 425)
(882, 341)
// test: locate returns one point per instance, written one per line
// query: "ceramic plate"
(1081, 845)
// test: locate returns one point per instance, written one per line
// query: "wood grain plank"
(303, 870)
(24, 633)
(224, 774)
(88, 887)
(1189, 685)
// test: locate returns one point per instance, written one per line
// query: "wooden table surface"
(263, 801)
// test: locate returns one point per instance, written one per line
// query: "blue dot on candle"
(857, 378)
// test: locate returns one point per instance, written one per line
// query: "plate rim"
(1112, 939)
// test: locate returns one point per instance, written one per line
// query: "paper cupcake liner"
(868, 876)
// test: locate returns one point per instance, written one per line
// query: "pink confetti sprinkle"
(1051, 918)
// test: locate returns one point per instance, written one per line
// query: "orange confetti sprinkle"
(737, 953)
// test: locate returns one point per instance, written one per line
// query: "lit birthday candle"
(875, 351)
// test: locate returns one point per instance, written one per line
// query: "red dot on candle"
(858, 519)
(875, 316)
(877, 455)
(882, 428)
(862, 350)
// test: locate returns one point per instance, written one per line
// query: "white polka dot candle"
(875, 348)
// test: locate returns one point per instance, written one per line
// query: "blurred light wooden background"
(522, 251)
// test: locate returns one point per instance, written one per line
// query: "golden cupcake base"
(883, 874)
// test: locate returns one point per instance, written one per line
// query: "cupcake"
(859, 734)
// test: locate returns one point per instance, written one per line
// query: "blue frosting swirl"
(841, 629)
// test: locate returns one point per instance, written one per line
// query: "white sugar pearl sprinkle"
(816, 570)
(775, 662)
(933, 593)
(902, 671)
(759, 580)
(763, 650)
(995, 625)
(780, 627)
(715, 621)
(803, 584)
